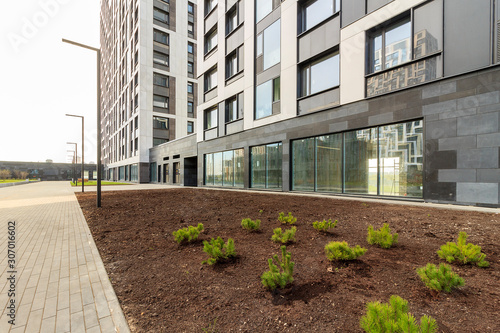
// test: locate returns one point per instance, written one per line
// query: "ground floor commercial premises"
(437, 142)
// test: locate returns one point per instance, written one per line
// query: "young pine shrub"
(394, 317)
(342, 251)
(287, 219)
(463, 252)
(275, 277)
(188, 234)
(217, 250)
(324, 225)
(442, 278)
(382, 237)
(250, 225)
(284, 237)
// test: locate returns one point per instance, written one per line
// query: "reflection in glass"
(361, 161)
(258, 175)
(263, 7)
(329, 163)
(209, 169)
(228, 168)
(272, 42)
(376, 53)
(238, 167)
(218, 169)
(398, 44)
(303, 165)
(318, 11)
(325, 74)
(274, 163)
(264, 100)
(401, 157)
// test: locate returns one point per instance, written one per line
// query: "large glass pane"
(228, 168)
(318, 11)
(360, 160)
(263, 7)
(329, 163)
(264, 100)
(209, 169)
(272, 42)
(398, 44)
(239, 167)
(258, 162)
(325, 74)
(428, 29)
(303, 165)
(218, 169)
(274, 163)
(401, 157)
(152, 172)
(376, 53)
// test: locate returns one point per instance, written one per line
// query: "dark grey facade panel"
(468, 21)
(372, 5)
(319, 39)
(352, 10)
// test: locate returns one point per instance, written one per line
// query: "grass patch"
(3, 181)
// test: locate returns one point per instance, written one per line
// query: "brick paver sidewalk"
(61, 284)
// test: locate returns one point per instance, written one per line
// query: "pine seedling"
(442, 278)
(284, 237)
(251, 225)
(189, 234)
(463, 252)
(342, 251)
(217, 250)
(324, 225)
(275, 277)
(287, 219)
(382, 237)
(394, 317)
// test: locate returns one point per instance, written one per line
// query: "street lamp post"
(98, 51)
(83, 146)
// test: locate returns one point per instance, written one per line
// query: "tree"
(4, 174)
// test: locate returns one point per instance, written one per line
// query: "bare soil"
(164, 287)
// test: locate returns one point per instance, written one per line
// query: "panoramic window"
(225, 168)
(262, 9)
(210, 41)
(160, 101)
(211, 118)
(266, 166)
(390, 46)
(160, 37)
(160, 123)
(160, 15)
(268, 45)
(266, 94)
(320, 75)
(160, 58)
(316, 11)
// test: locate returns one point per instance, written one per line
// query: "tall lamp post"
(83, 146)
(98, 51)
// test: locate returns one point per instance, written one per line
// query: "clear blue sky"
(43, 79)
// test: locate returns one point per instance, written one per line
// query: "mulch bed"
(163, 287)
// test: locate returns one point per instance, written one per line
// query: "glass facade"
(263, 8)
(266, 166)
(385, 160)
(134, 176)
(272, 42)
(225, 168)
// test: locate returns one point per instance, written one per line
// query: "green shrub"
(394, 317)
(274, 278)
(188, 234)
(287, 219)
(218, 251)
(249, 224)
(382, 237)
(463, 251)
(324, 226)
(439, 278)
(342, 251)
(284, 237)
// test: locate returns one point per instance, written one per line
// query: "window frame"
(208, 114)
(162, 12)
(210, 38)
(156, 60)
(230, 70)
(162, 34)
(305, 74)
(190, 46)
(260, 43)
(157, 120)
(190, 123)
(274, 93)
(303, 14)
(190, 64)
(190, 5)
(162, 77)
(228, 113)
(164, 103)
(230, 26)
(190, 85)
(208, 79)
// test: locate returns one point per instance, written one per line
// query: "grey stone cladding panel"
(488, 140)
(478, 124)
(446, 128)
(488, 175)
(439, 89)
(481, 158)
(464, 142)
(453, 175)
(319, 39)
(486, 193)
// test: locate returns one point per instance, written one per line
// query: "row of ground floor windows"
(383, 160)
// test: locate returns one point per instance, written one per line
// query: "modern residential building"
(148, 75)
(387, 98)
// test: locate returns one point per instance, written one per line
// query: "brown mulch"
(164, 287)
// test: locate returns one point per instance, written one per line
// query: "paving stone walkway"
(61, 284)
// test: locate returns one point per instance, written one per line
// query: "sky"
(42, 79)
